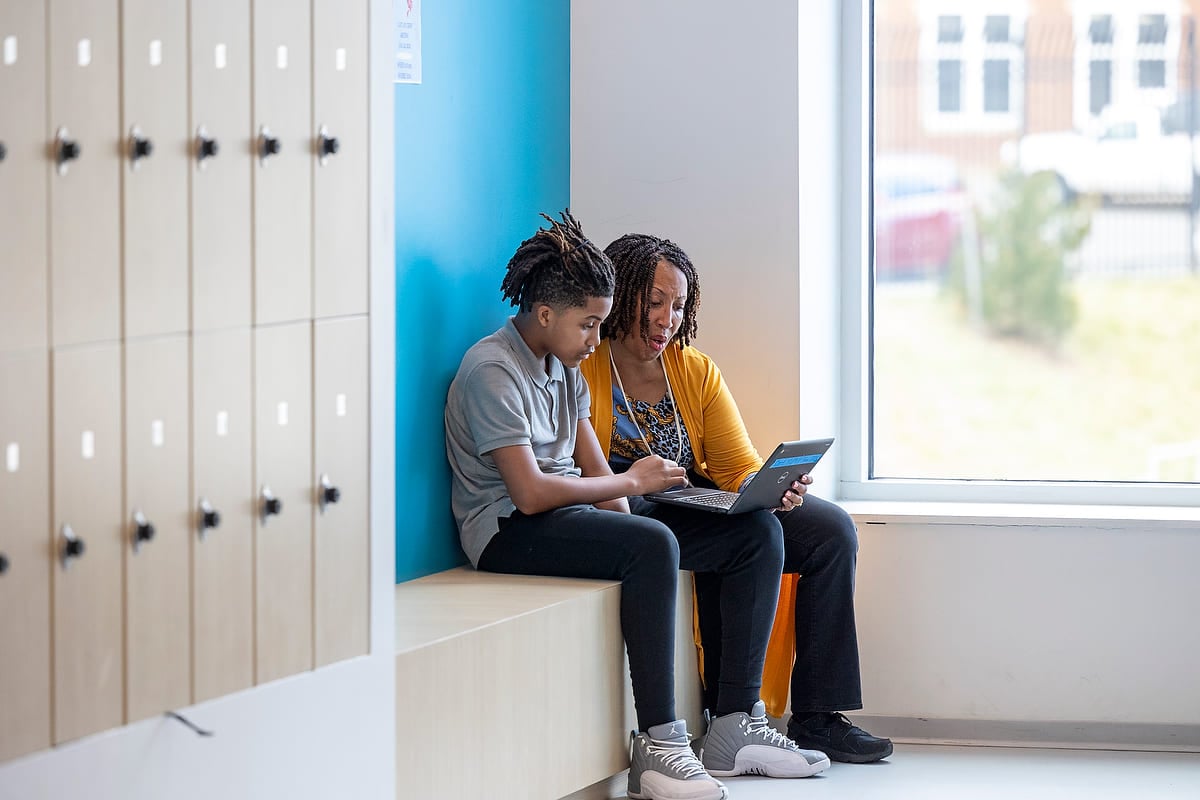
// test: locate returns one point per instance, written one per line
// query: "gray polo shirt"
(504, 395)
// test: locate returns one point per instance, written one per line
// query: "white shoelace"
(758, 726)
(676, 756)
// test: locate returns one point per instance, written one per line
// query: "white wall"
(319, 735)
(685, 123)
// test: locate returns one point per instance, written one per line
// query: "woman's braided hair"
(635, 256)
(558, 266)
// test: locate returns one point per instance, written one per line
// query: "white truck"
(1140, 154)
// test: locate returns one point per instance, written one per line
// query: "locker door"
(24, 553)
(340, 177)
(23, 174)
(157, 528)
(223, 508)
(283, 522)
(155, 130)
(84, 139)
(283, 171)
(87, 541)
(222, 167)
(340, 540)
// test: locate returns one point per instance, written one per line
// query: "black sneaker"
(838, 738)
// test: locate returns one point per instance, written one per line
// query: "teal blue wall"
(482, 146)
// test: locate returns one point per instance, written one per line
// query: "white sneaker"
(746, 744)
(662, 766)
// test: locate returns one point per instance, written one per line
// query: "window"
(1128, 53)
(974, 63)
(1019, 339)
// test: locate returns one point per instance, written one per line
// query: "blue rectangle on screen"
(794, 460)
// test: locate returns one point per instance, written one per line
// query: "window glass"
(1034, 287)
(949, 85)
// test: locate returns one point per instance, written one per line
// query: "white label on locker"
(10, 50)
(339, 403)
(155, 53)
(281, 414)
(219, 56)
(339, 58)
(222, 423)
(83, 52)
(87, 445)
(281, 57)
(156, 433)
(12, 457)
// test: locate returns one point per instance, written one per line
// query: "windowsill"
(1023, 514)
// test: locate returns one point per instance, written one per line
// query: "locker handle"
(139, 146)
(72, 546)
(268, 145)
(3, 151)
(66, 150)
(209, 518)
(271, 505)
(327, 493)
(206, 146)
(143, 531)
(327, 145)
(3, 563)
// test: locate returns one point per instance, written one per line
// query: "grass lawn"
(1124, 385)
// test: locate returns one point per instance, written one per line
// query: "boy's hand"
(655, 473)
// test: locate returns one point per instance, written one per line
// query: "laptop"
(789, 461)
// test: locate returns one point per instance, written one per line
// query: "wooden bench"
(511, 686)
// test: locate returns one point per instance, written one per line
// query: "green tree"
(1025, 235)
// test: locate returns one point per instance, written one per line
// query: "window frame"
(853, 369)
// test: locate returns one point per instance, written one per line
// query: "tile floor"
(938, 772)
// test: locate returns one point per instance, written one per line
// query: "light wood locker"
(222, 164)
(23, 174)
(284, 518)
(25, 557)
(340, 183)
(284, 159)
(85, 162)
(223, 506)
(87, 541)
(155, 145)
(157, 528)
(340, 446)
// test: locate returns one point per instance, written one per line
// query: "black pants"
(821, 544)
(645, 552)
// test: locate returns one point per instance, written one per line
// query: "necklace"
(633, 417)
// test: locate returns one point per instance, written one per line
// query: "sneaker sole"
(841, 755)
(778, 769)
(680, 791)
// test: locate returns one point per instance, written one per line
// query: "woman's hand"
(655, 473)
(794, 496)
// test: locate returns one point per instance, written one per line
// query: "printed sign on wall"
(407, 23)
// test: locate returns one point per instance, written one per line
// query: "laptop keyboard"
(716, 499)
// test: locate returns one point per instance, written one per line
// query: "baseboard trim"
(1025, 733)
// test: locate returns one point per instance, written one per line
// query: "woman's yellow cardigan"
(725, 455)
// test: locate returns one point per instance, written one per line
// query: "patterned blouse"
(657, 421)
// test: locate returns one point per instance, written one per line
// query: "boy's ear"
(543, 313)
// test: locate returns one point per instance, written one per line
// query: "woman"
(533, 495)
(668, 399)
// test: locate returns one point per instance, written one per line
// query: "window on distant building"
(973, 62)
(1127, 54)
